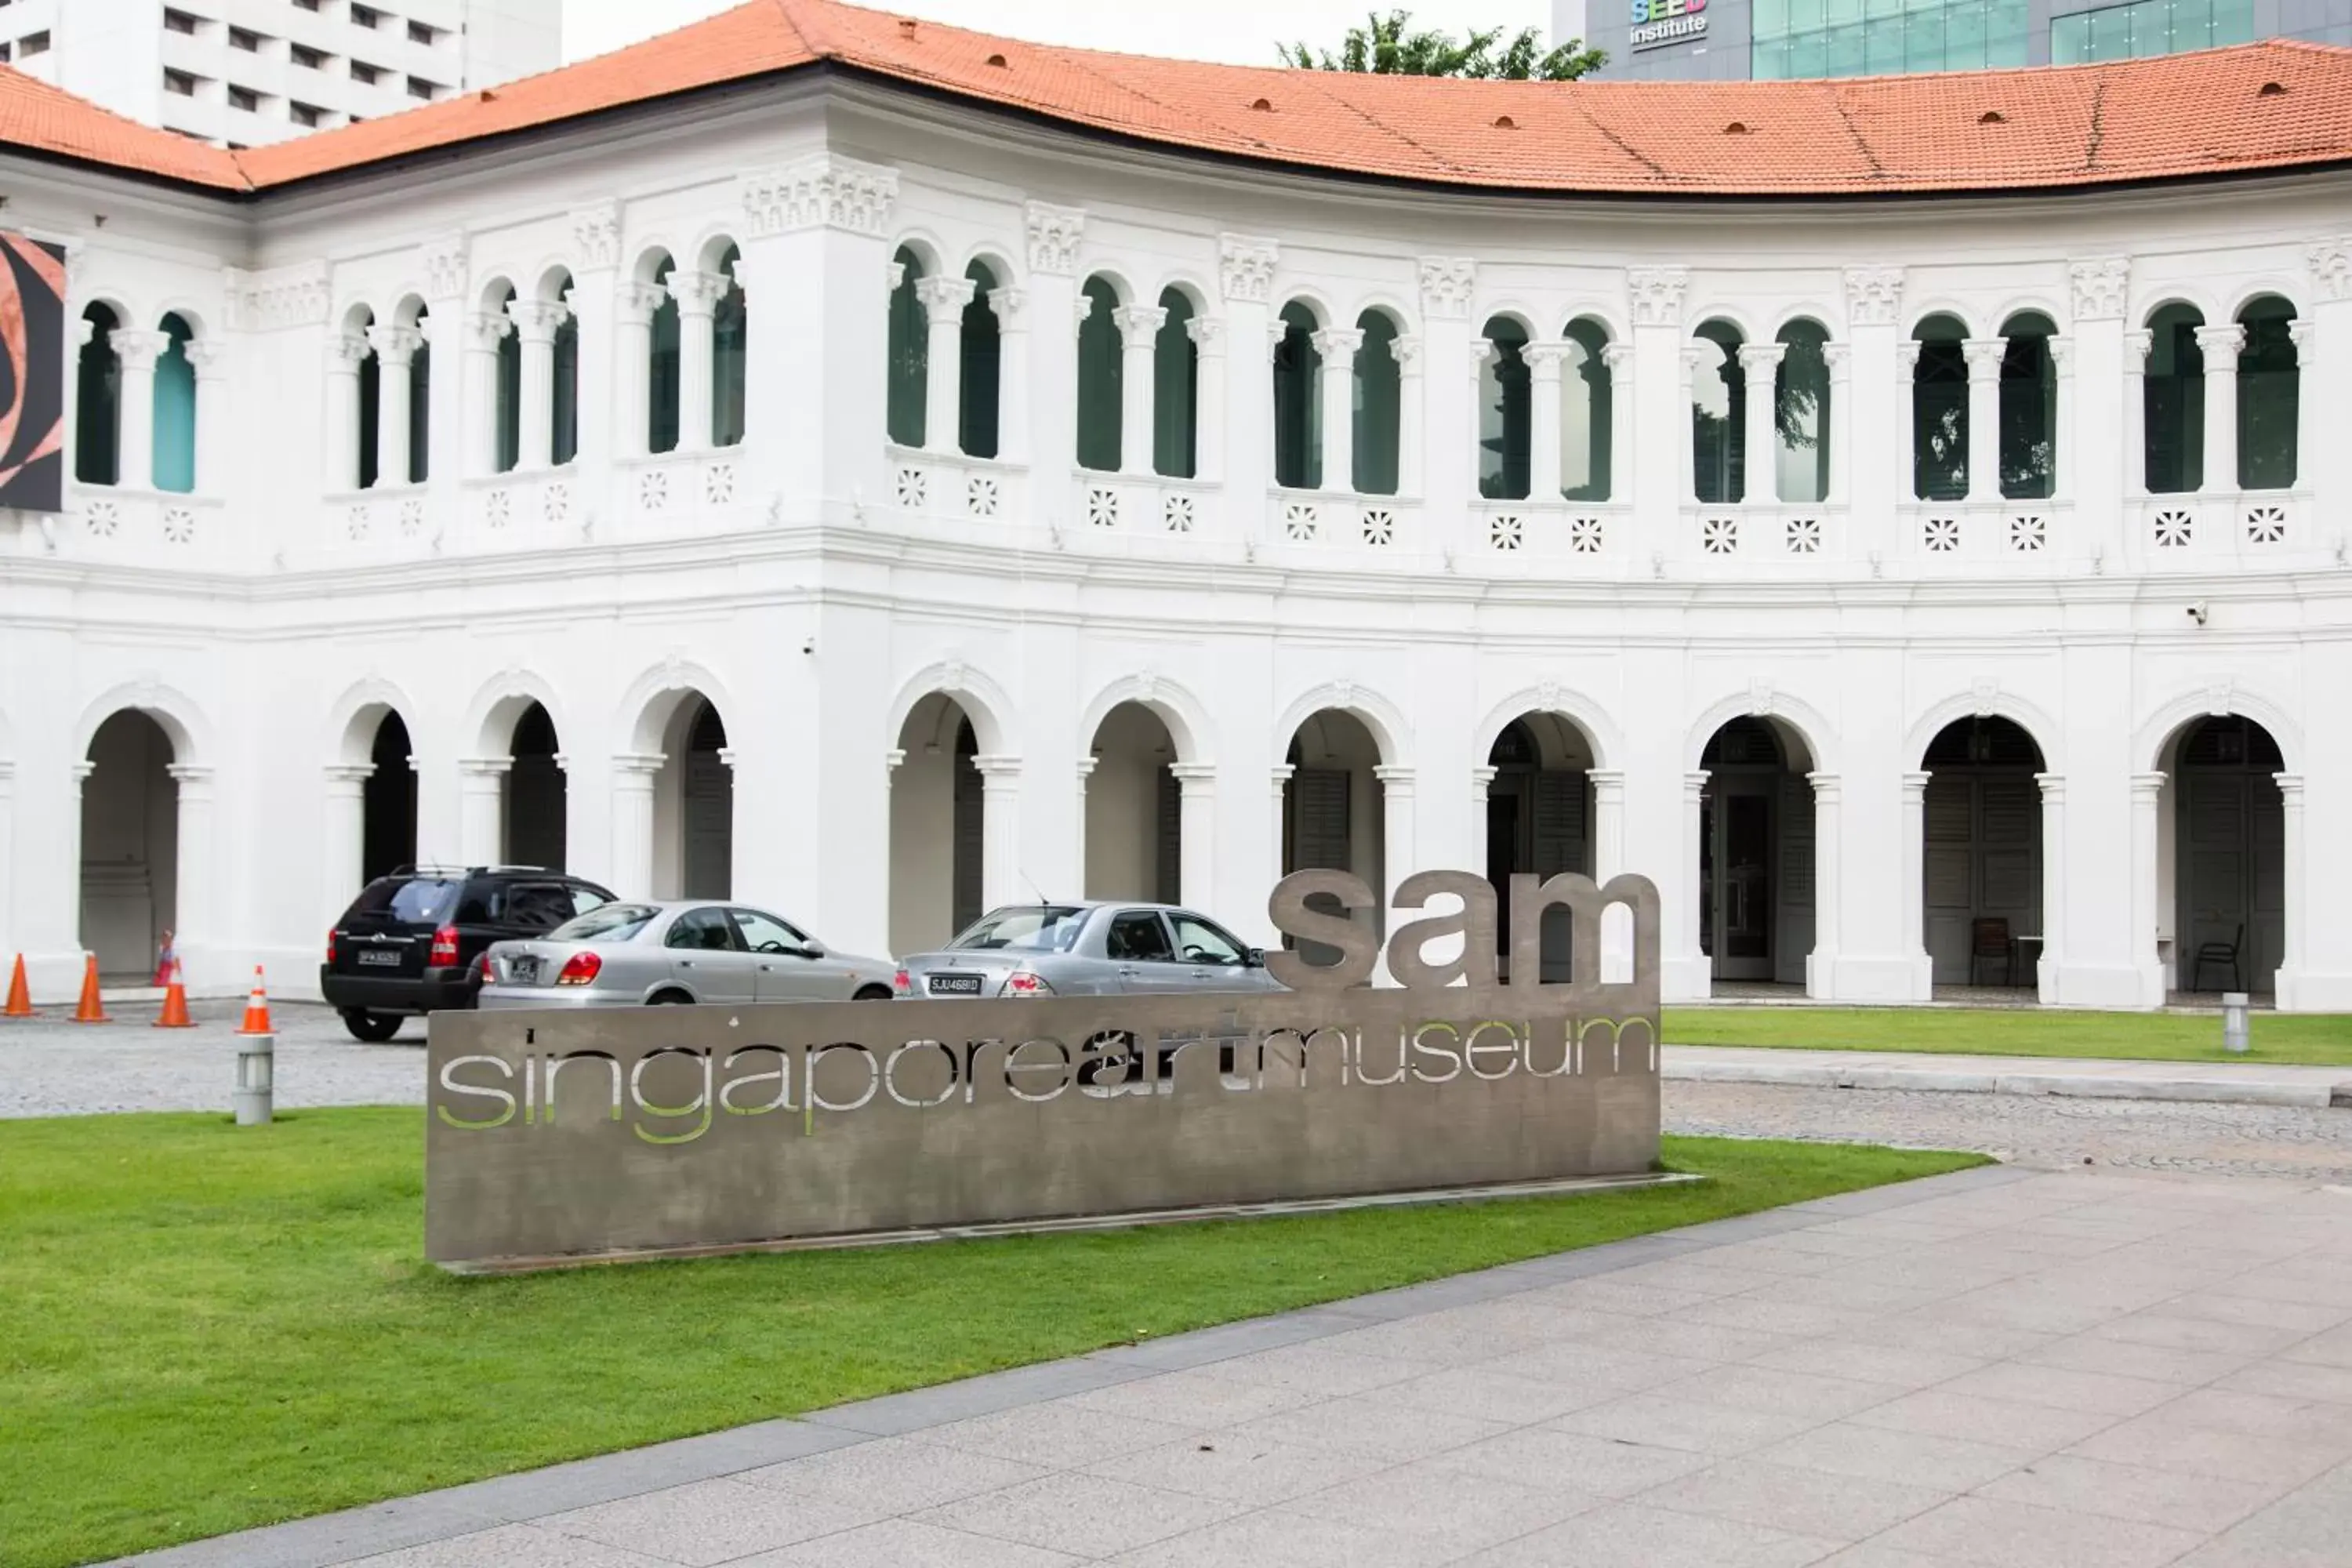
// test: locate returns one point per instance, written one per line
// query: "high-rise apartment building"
(1739, 40)
(247, 72)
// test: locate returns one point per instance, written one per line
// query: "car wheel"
(669, 999)
(372, 1028)
(872, 994)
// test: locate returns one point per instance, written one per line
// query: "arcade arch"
(938, 826)
(1757, 854)
(131, 840)
(1134, 808)
(1538, 821)
(2223, 865)
(1982, 854)
(1335, 809)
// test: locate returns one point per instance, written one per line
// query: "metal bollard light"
(2233, 1023)
(256, 1058)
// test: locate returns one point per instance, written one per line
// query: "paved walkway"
(2239, 1083)
(2007, 1368)
(52, 1067)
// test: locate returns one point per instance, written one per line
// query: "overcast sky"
(1243, 31)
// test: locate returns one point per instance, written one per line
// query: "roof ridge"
(817, 42)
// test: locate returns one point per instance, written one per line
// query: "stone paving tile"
(896, 1475)
(1765, 1312)
(2305, 1529)
(1080, 1515)
(709, 1523)
(1598, 1464)
(1467, 1509)
(1317, 1369)
(1668, 1423)
(1617, 1295)
(2158, 1442)
(1781, 1392)
(1608, 1368)
(2035, 1428)
(2166, 1330)
(1915, 1458)
(1837, 1356)
(2292, 1380)
(1627, 1535)
(1924, 1330)
(1293, 1541)
(2122, 1358)
(1393, 1433)
(1055, 1435)
(2059, 1389)
(1196, 1399)
(907, 1543)
(2202, 1503)
(1681, 1335)
(1998, 1534)
(1256, 1472)
(1488, 1395)
(1800, 1502)
(2224, 1308)
(513, 1546)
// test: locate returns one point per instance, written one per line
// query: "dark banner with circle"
(32, 375)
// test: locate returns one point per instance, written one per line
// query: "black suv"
(412, 941)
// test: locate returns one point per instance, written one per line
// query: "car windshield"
(1031, 928)
(415, 900)
(612, 923)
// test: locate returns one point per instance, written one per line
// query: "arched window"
(2268, 395)
(369, 414)
(1720, 418)
(1101, 379)
(563, 441)
(175, 410)
(97, 393)
(1939, 411)
(1506, 409)
(1586, 413)
(1379, 406)
(2029, 408)
(1176, 390)
(983, 364)
(420, 404)
(506, 451)
(1297, 402)
(910, 354)
(662, 366)
(1800, 414)
(730, 349)
(2173, 388)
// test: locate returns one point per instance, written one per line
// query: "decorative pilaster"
(1624, 482)
(2146, 919)
(345, 837)
(1007, 304)
(1839, 357)
(1405, 349)
(1208, 335)
(2290, 969)
(633, 775)
(2304, 332)
(1445, 459)
(341, 447)
(1690, 912)
(1281, 775)
(1608, 822)
(1820, 964)
(481, 801)
(1000, 829)
(2053, 884)
(1911, 873)
(198, 893)
(2137, 343)
(1196, 785)
(209, 357)
(1401, 843)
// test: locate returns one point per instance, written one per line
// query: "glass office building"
(1765, 40)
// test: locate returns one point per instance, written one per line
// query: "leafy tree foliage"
(1385, 46)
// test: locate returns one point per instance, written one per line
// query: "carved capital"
(1447, 284)
(943, 298)
(1246, 267)
(344, 351)
(1405, 349)
(1906, 355)
(820, 191)
(1657, 294)
(537, 321)
(1544, 360)
(444, 266)
(484, 329)
(1055, 234)
(1008, 304)
(2101, 286)
(2219, 345)
(2330, 261)
(395, 345)
(1761, 360)
(1619, 358)
(1872, 296)
(636, 303)
(283, 297)
(209, 355)
(1208, 335)
(596, 238)
(1139, 325)
(698, 293)
(1338, 345)
(1984, 356)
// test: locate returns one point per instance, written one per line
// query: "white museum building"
(883, 471)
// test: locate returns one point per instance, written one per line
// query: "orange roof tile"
(2265, 106)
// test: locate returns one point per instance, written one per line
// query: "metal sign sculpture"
(555, 1135)
(32, 375)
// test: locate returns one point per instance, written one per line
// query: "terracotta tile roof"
(2265, 106)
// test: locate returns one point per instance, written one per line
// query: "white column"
(1544, 361)
(1282, 771)
(2136, 344)
(1338, 345)
(633, 775)
(2290, 969)
(536, 322)
(2304, 332)
(1139, 380)
(196, 921)
(634, 305)
(697, 295)
(1447, 423)
(344, 838)
(1208, 335)
(1839, 359)
(2220, 346)
(10, 945)
(2054, 883)
(2066, 447)
(1761, 363)
(1820, 964)
(1655, 475)
(1906, 390)
(210, 358)
(395, 357)
(1000, 833)
(342, 445)
(1012, 372)
(479, 417)
(481, 799)
(1196, 875)
(1087, 766)
(1623, 479)
(1608, 822)
(2145, 789)
(1984, 357)
(1698, 359)
(1481, 354)
(1411, 414)
(1911, 869)
(139, 352)
(1692, 905)
(943, 300)
(1482, 779)
(1399, 846)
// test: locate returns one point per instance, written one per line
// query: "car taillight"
(902, 982)
(1024, 984)
(330, 947)
(580, 969)
(445, 948)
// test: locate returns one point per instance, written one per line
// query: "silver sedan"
(685, 950)
(1086, 949)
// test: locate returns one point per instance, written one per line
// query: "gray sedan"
(687, 950)
(1086, 949)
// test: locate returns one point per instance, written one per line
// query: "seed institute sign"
(562, 1135)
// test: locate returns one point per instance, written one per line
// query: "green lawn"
(2320, 1038)
(203, 1329)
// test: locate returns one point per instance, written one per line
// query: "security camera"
(2196, 612)
(809, 645)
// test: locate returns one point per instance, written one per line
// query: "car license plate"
(379, 957)
(955, 984)
(524, 970)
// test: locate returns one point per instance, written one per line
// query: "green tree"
(1385, 48)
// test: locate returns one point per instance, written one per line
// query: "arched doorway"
(130, 845)
(388, 802)
(532, 832)
(2222, 857)
(1134, 809)
(1538, 822)
(938, 828)
(1756, 853)
(694, 806)
(1334, 813)
(1981, 883)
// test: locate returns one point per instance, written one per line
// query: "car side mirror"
(1254, 958)
(810, 950)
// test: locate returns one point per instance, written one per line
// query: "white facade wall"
(815, 584)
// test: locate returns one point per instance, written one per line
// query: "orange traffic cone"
(256, 1009)
(174, 1015)
(20, 995)
(90, 1010)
